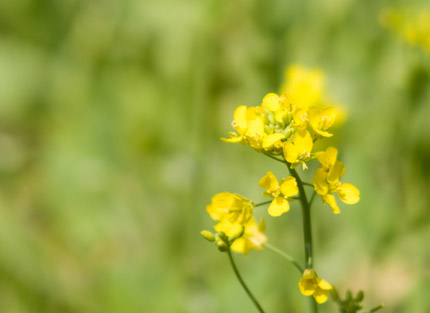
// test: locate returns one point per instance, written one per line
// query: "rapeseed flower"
(304, 87)
(411, 25)
(249, 123)
(311, 285)
(300, 150)
(231, 211)
(281, 193)
(252, 238)
(327, 181)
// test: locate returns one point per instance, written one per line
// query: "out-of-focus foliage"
(110, 118)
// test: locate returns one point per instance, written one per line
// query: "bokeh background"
(110, 119)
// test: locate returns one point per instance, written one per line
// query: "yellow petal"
(320, 295)
(291, 153)
(303, 141)
(331, 201)
(323, 284)
(336, 172)
(279, 206)
(230, 229)
(321, 120)
(307, 286)
(328, 116)
(239, 245)
(328, 157)
(262, 226)
(289, 187)
(300, 117)
(319, 182)
(240, 120)
(271, 102)
(348, 193)
(255, 127)
(270, 140)
(269, 182)
(234, 139)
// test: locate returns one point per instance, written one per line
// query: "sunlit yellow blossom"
(231, 208)
(322, 119)
(278, 105)
(327, 181)
(303, 87)
(281, 193)
(299, 151)
(249, 123)
(411, 25)
(311, 285)
(253, 238)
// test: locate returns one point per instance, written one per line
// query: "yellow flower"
(327, 181)
(253, 238)
(249, 123)
(410, 24)
(281, 193)
(304, 87)
(231, 208)
(322, 119)
(299, 151)
(311, 285)
(278, 105)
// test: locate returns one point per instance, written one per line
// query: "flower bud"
(222, 246)
(360, 296)
(207, 235)
(335, 295)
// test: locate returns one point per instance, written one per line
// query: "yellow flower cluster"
(234, 215)
(413, 26)
(287, 126)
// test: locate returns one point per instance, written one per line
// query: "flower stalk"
(245, 287)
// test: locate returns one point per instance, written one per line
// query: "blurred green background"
(110, 119)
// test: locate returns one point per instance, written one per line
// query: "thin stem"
(233, 265)
(274, 158)
(376, 308)
(286, 256)
(307, 184)
(262, 203)
(312, 198)
(307, 229)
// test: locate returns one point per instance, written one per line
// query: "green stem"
(312, 198)
(286, 256)
(376, 308)
(262, 203)
(308, 184)
(251, 296)
(307, 229)
(274, 158)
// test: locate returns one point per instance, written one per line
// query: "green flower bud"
(222, 246)
(360, 296)
(334, 295)
(207, 235)
(348, 295)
